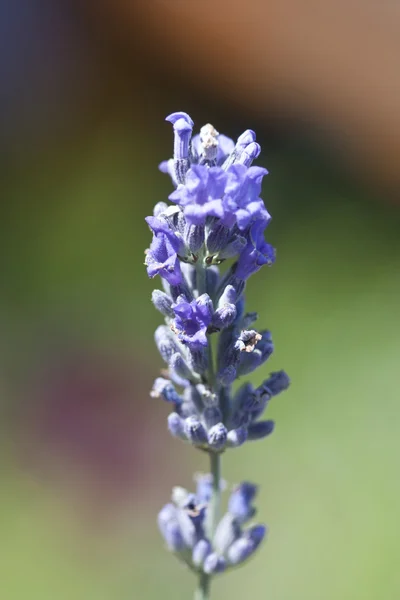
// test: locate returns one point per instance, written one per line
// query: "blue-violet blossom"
(216, 215)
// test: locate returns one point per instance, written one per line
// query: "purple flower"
(227, 532)
(224, 316)
(247, 340)
(192, 320)
(162, 256)
(246, 545)
(195, 431)
(176, 426)
(215, 179)
(241, 202)
(214, 564)
(184, 524)
(246, 139)
(170, 529)
(275, 384)
(217, 436)
(209, 147)
(232, 196)
(260, 430)
(251, 361)
(161, 226)
(237, 437)
(241, 502)
(183, 126)
(178, 166)
(201, 195)
(256, 253)
(180, 368)
(200, 552)
(166, 342)
(162, 302)
(163, 388)
(250, 153)
(181, 522)
(162, 260)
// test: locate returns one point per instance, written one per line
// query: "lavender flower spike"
(217, 215)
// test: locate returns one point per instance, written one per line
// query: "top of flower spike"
(219, 213)
(209, 147)
(214, 176)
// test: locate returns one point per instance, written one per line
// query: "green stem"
(200, 276)
(215, 504)
(203, 589)
(211, 372)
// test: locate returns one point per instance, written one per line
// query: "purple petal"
(176, 116)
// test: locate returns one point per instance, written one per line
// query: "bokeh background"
(86, 461)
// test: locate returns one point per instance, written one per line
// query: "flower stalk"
(215, 504)
(203, 589)
(218, 218)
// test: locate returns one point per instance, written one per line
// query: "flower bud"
(237, 437)
(193, 236)
(240, 502)
(250, 153)
(170, 529)
(260, 430)
(214, 564)
(224, 316)
(200, 552)
(195, 431)
(180, 367)
(165, 342)
(163, 303)
(176, 426)
(245, 546)
(163, 388)
(228, 296)
(217, 436)
(251, 361)
(228, 530)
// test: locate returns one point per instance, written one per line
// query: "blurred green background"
(86, 461)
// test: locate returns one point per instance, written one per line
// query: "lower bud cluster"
(198, 418)
(186, 528)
